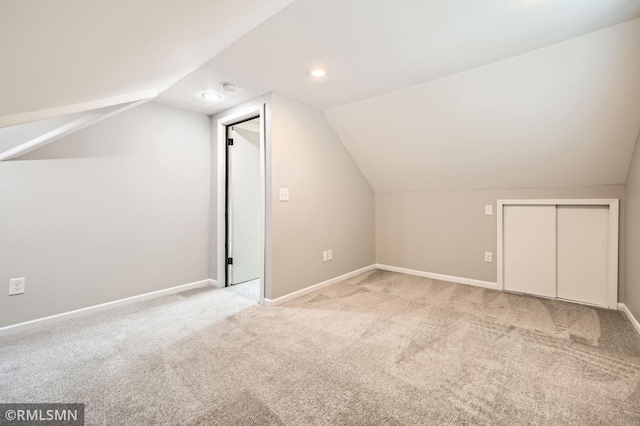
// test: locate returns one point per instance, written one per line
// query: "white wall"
(331, 206)
(632, 265)
(115, 210)
(447, 232)
(331, 203)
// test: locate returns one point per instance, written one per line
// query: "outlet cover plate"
(16, 286)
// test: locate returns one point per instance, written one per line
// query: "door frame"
(221, 125)
(614, 212)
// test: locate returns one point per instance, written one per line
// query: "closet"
(565, 249)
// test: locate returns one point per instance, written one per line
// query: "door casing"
(257, 110)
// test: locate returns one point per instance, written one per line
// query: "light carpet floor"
(379, 349)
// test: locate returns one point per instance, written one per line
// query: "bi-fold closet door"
(565, 251)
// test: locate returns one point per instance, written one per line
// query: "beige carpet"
(381, 348)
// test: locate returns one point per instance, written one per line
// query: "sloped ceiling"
(565, 115)
(64, 52)
(15, 141)
(452, 95)
(372, 47)
(12, 136)
(426, 95)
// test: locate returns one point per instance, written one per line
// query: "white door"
(583, 253)
(530, 249)
(243, 204)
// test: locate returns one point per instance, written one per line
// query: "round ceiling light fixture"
(317, 72)
(211, 96)
(228, 87)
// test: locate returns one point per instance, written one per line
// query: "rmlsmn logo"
(42, 414)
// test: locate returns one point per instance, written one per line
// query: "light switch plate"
(325, 256)
(488, 256)
(284, 194)
(488, 210)
(330, 255)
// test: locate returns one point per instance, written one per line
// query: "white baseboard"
(23, 326)
(216, 284)
(450, 278)
(286, 298)
(622, 307)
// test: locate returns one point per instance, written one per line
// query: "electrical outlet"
(325, 256)
(488, 210)
(330, 254)
(284, 194)
(488, 256)
(16, 286)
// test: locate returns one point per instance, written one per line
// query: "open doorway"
(241, 202)
(243, 213)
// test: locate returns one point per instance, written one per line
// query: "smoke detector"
(228, 87)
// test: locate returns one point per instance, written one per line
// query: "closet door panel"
(530, 249)
(583, 253)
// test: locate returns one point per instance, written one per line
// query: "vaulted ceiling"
(426, 95)
(564, 115)
(372, 47)
(64, 52)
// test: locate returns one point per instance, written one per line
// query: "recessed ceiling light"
(228, 87)
(210, 96)
(317, 72)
